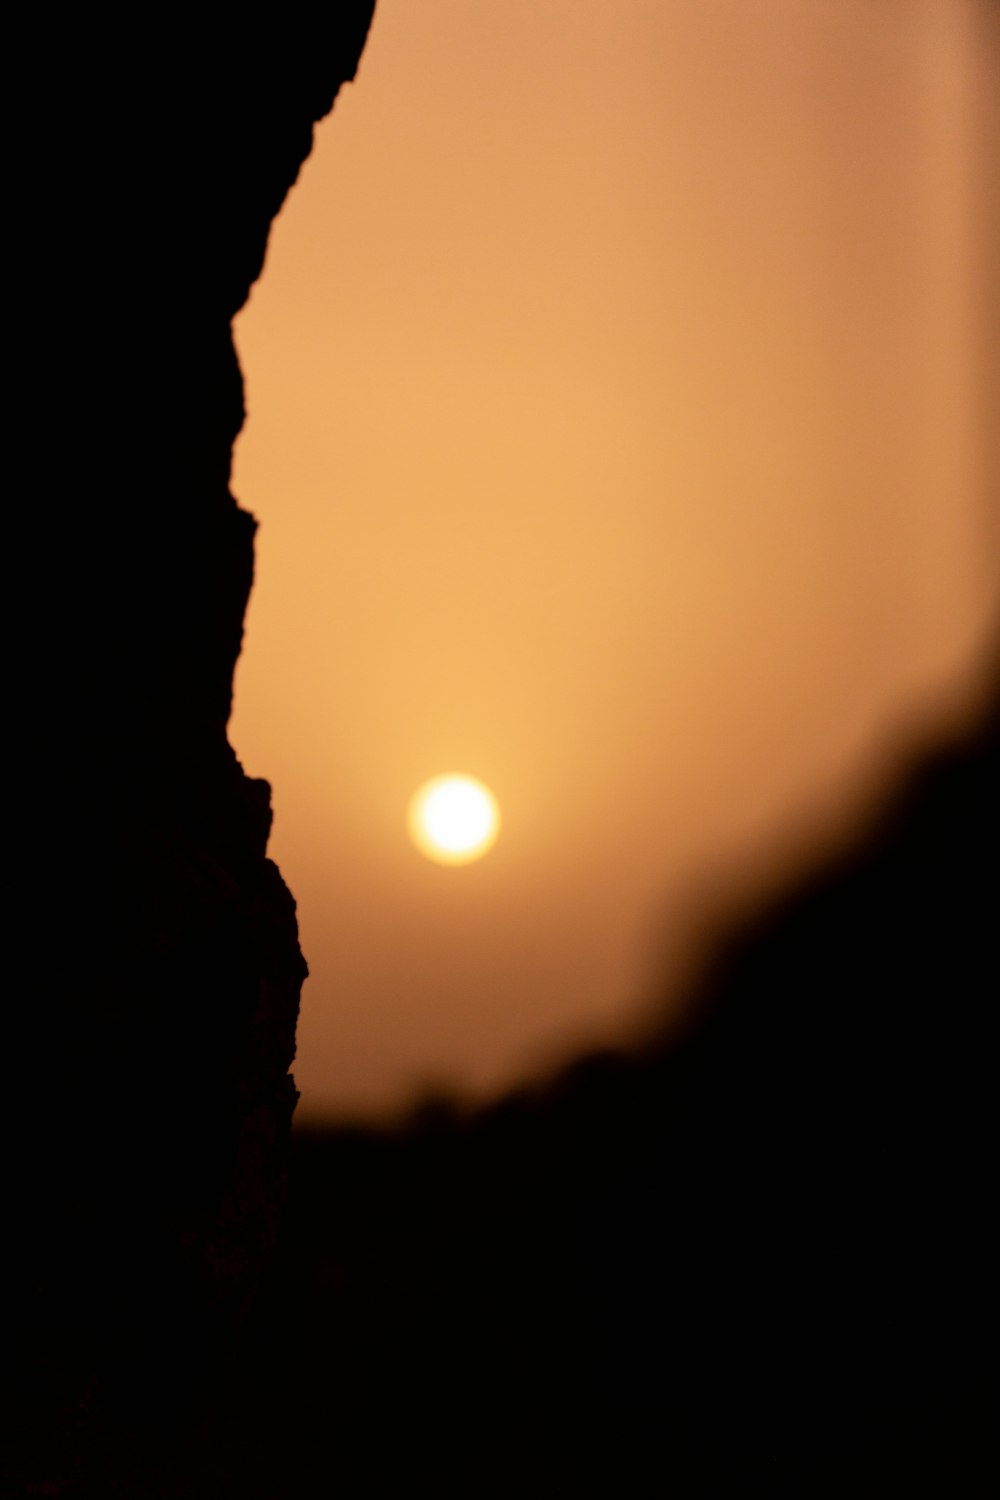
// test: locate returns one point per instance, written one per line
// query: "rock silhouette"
(758, 1253)
(161, 964)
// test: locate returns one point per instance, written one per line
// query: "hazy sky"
(612, 431)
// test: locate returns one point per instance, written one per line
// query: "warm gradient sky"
(613, 431)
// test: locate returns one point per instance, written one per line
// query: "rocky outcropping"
(758, 1255)
(149, 1130)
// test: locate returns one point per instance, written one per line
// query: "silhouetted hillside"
(758, 1253)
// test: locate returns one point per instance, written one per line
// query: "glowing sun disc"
(453, 819)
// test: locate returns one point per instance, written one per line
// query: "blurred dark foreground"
(757, 1254)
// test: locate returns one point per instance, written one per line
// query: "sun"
(453, 819)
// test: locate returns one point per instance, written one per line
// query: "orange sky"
(612, 430)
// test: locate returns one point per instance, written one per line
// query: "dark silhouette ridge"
(160, 996)
(758, 1251)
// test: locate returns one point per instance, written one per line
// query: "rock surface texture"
(149, 1140)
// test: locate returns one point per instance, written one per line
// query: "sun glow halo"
(453, 819)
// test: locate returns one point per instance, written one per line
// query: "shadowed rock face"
(162, 948)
